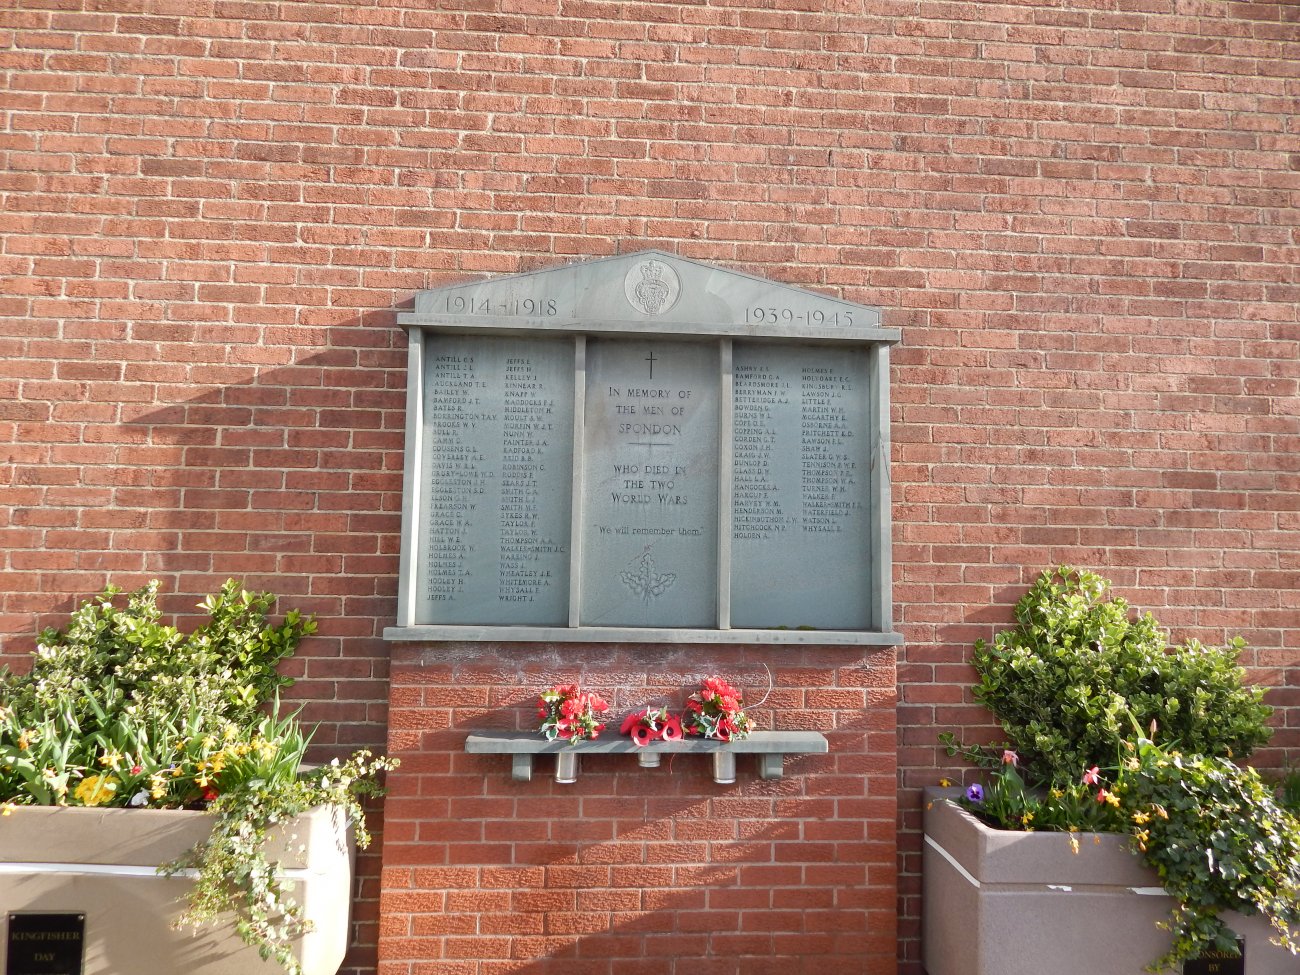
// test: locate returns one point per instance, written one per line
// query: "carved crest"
(652, 286)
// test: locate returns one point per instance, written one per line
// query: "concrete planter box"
(102, 863)
(997, 902)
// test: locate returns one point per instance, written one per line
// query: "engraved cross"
(652, 360)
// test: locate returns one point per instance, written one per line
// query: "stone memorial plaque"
(1216, 962)
(800, 487)
(45, 944)
(496, 481)
(573, 431)
(650, 488)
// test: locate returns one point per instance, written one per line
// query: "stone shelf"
(770, 747)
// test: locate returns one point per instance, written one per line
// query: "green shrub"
(1115, 730)
(1077, 674)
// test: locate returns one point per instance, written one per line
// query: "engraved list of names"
(800, 501)
(496, 479)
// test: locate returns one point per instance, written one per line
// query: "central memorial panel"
(650, 484)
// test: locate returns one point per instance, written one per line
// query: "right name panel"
(801, 498)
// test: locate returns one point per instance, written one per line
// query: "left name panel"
(496, 481)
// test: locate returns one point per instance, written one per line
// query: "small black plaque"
(1216, 962)
(46, 944)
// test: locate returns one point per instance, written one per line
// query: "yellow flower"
(1140, 817)
(201, 780)
(1142, 836)
(157, 786)
(23, 741)
(1026, 819)
(7, 809)
(209, 743)
(95, 790)
(1057, 793)
(945, 783)
(1074, 844)
(111, 758)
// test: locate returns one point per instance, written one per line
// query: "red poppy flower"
(672, 729)
(642, 736)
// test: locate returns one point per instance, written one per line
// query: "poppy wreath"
(649, 725)
(569, 712)
(716, 710)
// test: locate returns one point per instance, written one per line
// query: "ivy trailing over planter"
(1219, 840)
(1112, 729)
(119, 709)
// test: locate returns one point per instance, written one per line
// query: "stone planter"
(997, 902)
(101, 863)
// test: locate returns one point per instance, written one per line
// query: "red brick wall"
(635, 870)
(1081, 214)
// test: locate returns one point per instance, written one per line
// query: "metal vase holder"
(566, 767)
(724, 768)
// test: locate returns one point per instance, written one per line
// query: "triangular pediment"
(650, 290)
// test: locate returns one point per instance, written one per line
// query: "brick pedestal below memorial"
(635, 870)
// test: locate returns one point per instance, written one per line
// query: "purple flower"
(975, 793)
